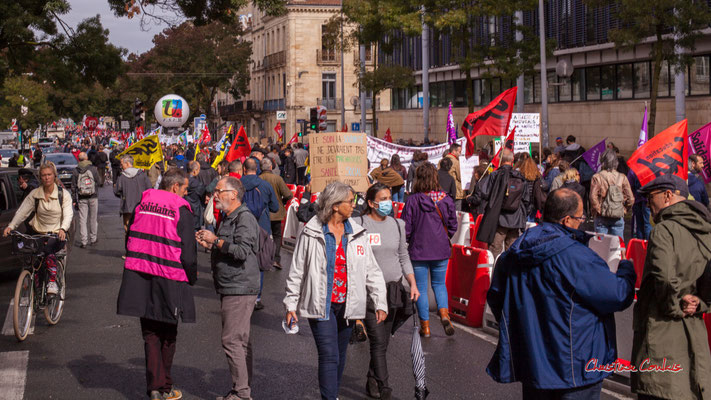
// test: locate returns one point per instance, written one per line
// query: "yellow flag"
(218, 159)
(197, 151)
(145, 152)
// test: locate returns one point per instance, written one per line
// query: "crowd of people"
(553, 297)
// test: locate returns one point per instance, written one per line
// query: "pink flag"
(700, 144)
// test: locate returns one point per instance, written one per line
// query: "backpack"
(86, 186)
(266, 250)
(515, 190)
(613, 204)
(253, 199)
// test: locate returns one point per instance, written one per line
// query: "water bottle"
(290, 329)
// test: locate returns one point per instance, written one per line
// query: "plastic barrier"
(474, 228)
(299, 192)
(292, 227)
(468, 279)
(637, 253)
(609, 247)
(292, 188)
(397, 209)
(462, 235)
(314, 197)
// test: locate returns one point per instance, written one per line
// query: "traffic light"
(138, 112)
(301, 134)
(313, 119)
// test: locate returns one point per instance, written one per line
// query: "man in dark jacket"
(696, 180)
(27, 181)
(85, 194)
(235, 269)
(668, 319)
(100, 160)
(554, 299)
(115, 162)
(504, 217)
(289, 165)
(129, 187)
(37, 156)
(446, 181)
(283, 195)
(207, 173)
(196, 193)
(162, 296)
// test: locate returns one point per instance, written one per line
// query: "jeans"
(88, 209)
(589, 392)
(236, 315)
(159, 345)
(610, 226)
(399, 196)
(379, 338)
(437, 269)
(641, 228)
(331, 339)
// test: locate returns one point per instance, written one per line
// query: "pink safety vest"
(154, 246)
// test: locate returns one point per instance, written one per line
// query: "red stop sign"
(14, 128)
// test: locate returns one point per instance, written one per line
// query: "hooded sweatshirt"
(130, 186)
(427, 233)
(267, 196)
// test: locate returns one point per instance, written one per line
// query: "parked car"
(66, 163)
(5, 156)
(10, 200)
(45, 142)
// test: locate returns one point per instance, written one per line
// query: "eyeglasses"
(651, 195)
(220, 191)
(351, 202)
(581, 218)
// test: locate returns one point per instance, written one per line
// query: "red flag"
(491, 120)
(666, 153)
(508, 144)
(205, 138)
(278, 131)
(294, 138)
(388, 137)
(240, 146)
(139, 133)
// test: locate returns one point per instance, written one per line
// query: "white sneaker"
(52, 288)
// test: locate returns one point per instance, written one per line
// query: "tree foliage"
(669, 23)
(19, 91)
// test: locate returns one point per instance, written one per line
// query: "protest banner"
(145, 152)
(338, 156)
(700, 143)
(528, 127)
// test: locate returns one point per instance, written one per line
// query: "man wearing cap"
(559, 146)
(669, 331)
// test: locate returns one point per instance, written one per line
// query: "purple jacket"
(425, 231)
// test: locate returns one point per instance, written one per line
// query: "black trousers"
(102, 175)
(379, 338)
(159, 344)
(301, 175)
(276, 236)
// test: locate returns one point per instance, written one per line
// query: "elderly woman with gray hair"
(333, 271)
(611, 196)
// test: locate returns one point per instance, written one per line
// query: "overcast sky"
(123, 32)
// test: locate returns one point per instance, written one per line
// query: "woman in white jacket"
(333, 270)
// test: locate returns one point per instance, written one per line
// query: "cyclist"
(50, 209)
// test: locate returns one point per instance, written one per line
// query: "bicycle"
(31, 290)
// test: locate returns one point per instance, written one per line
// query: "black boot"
(372, 389)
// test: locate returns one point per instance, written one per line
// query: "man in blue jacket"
(555, 299)
(696, 180)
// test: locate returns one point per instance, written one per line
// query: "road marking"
(474, 332)
(616, 395)
(7, 327)
(13, 374)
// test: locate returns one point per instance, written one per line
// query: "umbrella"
(418, 361)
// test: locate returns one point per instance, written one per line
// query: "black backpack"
(515, 190)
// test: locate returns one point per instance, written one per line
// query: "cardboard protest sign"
(338, 156)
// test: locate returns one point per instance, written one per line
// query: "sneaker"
(82, 245)
(232, 396)
(94, 242)
(156, 395)
(174, 394)
(52, 288)
(371, 388)
(258, 305)
(277, 265)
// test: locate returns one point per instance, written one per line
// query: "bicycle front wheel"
(23, 307)
(55, 304)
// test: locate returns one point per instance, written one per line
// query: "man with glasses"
(554, 299)
(668, 325)
(235, 270)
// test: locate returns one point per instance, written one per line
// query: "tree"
(19, 92)
(669, 23)
(194, 62)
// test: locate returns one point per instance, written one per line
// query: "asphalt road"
(95, 354)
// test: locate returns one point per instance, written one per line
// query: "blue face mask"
(385, 208)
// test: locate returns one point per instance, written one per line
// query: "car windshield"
(61, 159)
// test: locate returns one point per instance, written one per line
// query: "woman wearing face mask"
(387, 239)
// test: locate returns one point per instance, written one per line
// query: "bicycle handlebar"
(40, 236)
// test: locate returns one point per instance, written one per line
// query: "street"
(94, 353)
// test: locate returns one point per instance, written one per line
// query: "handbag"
(209, 214)
(443, 223)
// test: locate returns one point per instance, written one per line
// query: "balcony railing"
(328, 57)
(330, 103)
(368, 57)
(275, 60)
(274, 105)
(369, 104)
(235, 108)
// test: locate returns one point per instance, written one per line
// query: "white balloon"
(171, 111)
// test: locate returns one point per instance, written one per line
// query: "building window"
(699, 75)
(592, 83)
(328, 50)
(577, 81)
(664, 84)
(607, 82)
(537, 88)
(329, 86)
(552, 89)
(642, 80)
(528, 89)
(624, 81)
(460, 93)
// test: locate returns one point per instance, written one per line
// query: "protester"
(348, 263)
(179, 159)
(446, 181)
(641, 227)
(37, 156)
(86, 196)
(260, 199)
(571, 180)
(530, 172)
(668, 316)
(273, 156)
(455, 150)
(236, 276)
(207, 173)
(283, 196)
(430, 221)
(418, 158)
(195, 193)
(115, 162)
(26, 181)
(157, 277)
(388, 241)
(611, 196)
(100, 161)
(290, 170)
(397, 166)
(554, 298)
(190, 153)
(507, 196)
(300, 156)
(475, 203)
(559, 146)
(552, 171)
(130, 187)
(697, 189)
(387, 176)
(558, 181)
(12, 163)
